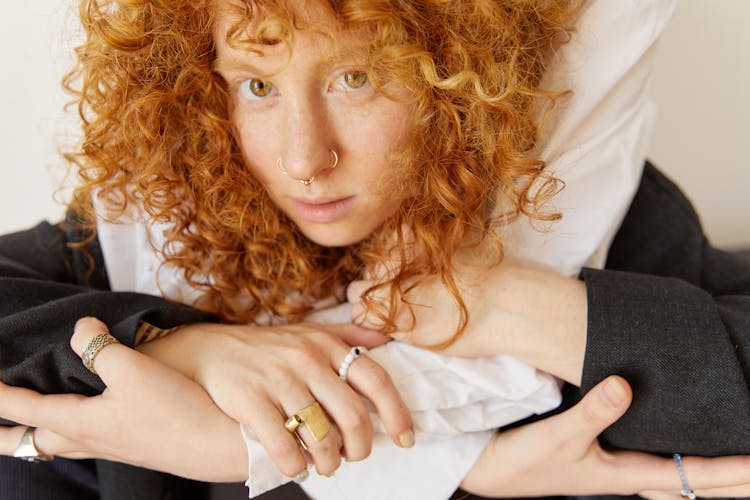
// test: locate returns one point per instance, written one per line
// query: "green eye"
(355, 79)
(255, 88)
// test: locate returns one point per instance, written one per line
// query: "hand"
(261, 375)
(149, 415)
(536, 316)
(560, 455)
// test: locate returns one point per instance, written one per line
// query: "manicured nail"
(301, 476)
(613, 393)
(406, 439)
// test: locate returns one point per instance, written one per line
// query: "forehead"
(248, 22)
(250, 30)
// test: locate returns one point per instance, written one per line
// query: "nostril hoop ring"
(334, 158)
(307, 182)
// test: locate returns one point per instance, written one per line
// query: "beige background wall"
(701, 86)
(702, 89)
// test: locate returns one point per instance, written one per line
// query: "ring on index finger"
(314, 418)
(353, 354)
(93, 348)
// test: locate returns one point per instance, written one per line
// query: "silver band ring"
(27, 450)
(686, 491)
(93, 348)
(353, 354)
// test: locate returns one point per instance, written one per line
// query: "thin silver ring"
(353, 354)
(307, 182)
(687, 491)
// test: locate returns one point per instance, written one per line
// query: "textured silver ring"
(686, 491)
(353, 354)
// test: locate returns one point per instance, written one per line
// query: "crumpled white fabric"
(456, 404)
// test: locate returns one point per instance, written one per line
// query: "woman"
(240, 272)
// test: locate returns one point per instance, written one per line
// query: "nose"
(309, 141)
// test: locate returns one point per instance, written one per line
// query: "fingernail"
(613, 393)
(406, 439)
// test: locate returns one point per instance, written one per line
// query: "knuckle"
(355, 420)
(307, 354)
(377, 379)
(281, 377)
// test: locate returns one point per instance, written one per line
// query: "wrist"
(543, 317)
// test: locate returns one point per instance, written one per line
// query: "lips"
(322, 210)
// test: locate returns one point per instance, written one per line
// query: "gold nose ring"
(307, 182)
(334, 159)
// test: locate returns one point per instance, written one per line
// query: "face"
(315, 116)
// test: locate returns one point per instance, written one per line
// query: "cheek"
(256, 144)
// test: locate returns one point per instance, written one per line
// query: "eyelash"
(248, 88)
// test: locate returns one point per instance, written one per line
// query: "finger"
(349, 414)
(10, 437)
(655, 474)
(739, 491)
(600, 407)
(355, 335)
(294, 397)
(659, 495)
(31, 408)
(711, 473)
(55, 444)
(85, 330)
(116, 364)
(47, 442)
(267, 423)
(343, 404)
(373, 382)
(324, 453)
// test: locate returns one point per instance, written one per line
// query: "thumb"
(602, 406)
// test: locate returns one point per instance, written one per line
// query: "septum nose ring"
(307, 182)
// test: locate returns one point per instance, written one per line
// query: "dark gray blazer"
(670, 313)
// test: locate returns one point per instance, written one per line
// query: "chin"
(330, 236)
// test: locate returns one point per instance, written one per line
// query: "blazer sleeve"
(671, 314)
(45, 287)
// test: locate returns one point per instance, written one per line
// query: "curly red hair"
(156, 134)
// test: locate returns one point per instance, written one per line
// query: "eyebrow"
(233, 64)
